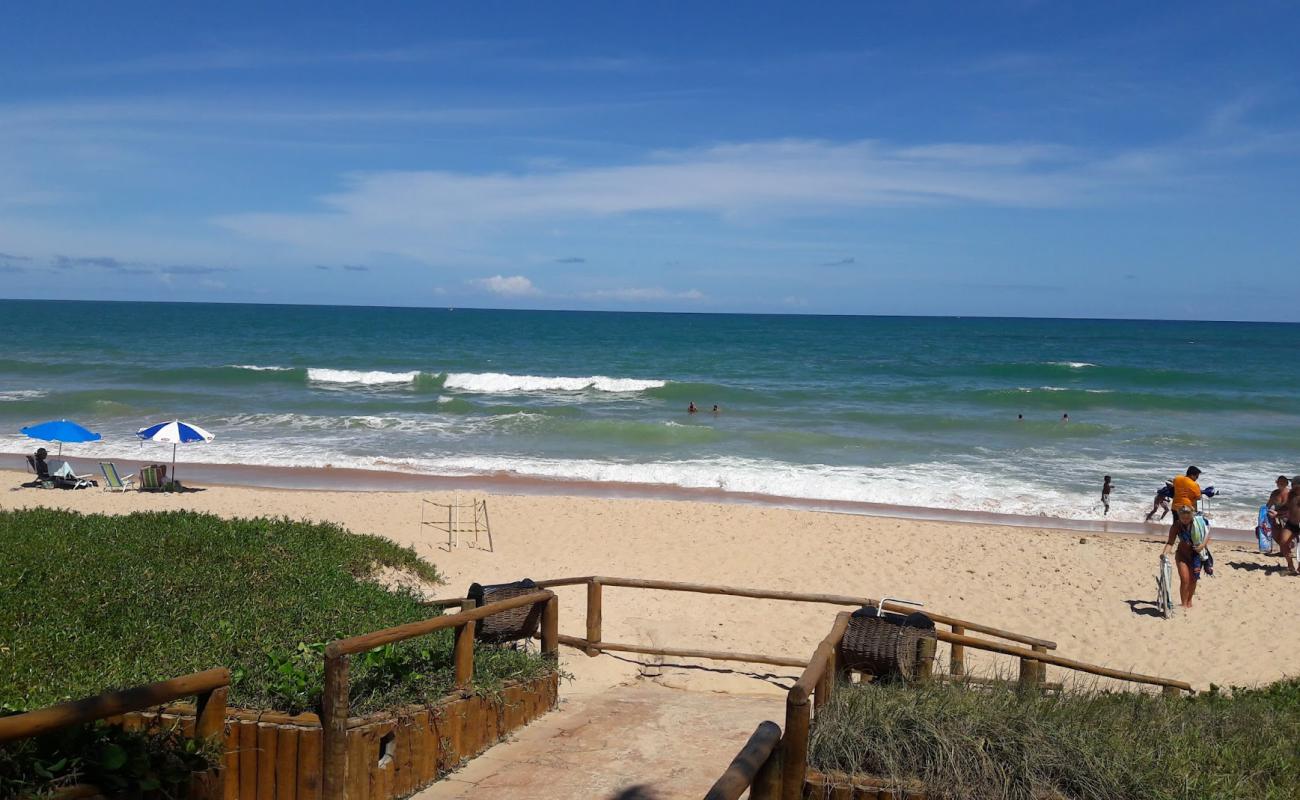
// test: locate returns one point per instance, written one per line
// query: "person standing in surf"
(1106, 486)
(1186, 490)
(1161, 503)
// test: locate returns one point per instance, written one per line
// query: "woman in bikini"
(1186, 557)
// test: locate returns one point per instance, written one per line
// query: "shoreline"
(332, 479)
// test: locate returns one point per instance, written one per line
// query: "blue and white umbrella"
(174, 433)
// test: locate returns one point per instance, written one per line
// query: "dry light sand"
(1090, 593)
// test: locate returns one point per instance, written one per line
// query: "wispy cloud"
(122, 267)
(411, 211)
(641, 295)
(571, 260)
(512, 286)
(356, 268)
(842, 262)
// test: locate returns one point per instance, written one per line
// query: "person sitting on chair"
(39, 463)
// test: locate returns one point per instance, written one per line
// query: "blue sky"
(1017, 158)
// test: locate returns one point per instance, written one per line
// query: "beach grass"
(93, 603)
(1082, 744)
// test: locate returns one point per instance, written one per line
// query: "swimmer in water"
(691, 409)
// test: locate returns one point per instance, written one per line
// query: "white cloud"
(416, 212)
(513, 286)
(642, 295)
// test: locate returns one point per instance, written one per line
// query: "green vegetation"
(960, 741)
(93, 603)
(118, 762)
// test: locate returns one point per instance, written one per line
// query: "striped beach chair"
(113, 481)
(151, 478)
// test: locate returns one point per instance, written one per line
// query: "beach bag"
(1264, 530)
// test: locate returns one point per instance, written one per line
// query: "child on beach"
(1105, 494)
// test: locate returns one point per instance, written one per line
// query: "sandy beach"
(1090, 592)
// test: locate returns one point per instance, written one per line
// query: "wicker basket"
(506, 626)
(886, 647)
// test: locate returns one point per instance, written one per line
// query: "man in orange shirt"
(1186, 490)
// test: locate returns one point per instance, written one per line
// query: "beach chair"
(113, 481)
(151, 478)
(43, 479)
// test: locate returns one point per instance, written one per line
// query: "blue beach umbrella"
(174, 433)
(60, 430)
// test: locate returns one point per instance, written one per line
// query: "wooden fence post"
(593, 615)
(334, 720)
(767, 781)
(210, 713)
(1028, 673)
(1042, 667)
(551, 628)
(957, 663)
(794, 748)
(826, 683)
(463, 650)
(925, 659)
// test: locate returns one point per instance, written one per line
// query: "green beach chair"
(113, 482)
(151, 478)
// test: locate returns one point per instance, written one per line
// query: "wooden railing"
(757, 767)
(210, 688)
(335, 699)
(763, 767)
(593, 643)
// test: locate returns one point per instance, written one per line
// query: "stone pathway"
(638, 742)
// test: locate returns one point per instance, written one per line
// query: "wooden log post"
(767, 781)
(1028, 673)
(551, 628)
(210, 713)
(1042, 665)
(826, 683)
(925, 659)
(334, 724)
(794, 746)
(593, 615)
(957, 661)
(463, 650)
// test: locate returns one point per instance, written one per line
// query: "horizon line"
(647, 311)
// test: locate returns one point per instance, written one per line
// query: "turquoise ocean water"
(908, 411)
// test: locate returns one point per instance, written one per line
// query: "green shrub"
(965, 742)
(94, 602)
(118, 762)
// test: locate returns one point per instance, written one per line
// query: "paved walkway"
(639, 742)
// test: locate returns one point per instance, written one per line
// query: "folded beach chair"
(113, 482)
(151, 478)
(1164, 587)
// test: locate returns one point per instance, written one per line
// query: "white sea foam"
(501, 383)
(1053, 486)
(256, 368)
(21, 394)
(1072, 364)
(359, 378)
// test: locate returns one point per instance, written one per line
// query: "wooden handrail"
(799, 597)
(1060, 661)
(753, 766)
(210, 685)
(398, 633)
(335, 699)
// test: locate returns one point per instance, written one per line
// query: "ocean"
(916, 412)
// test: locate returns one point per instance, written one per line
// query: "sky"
(1008, 158)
